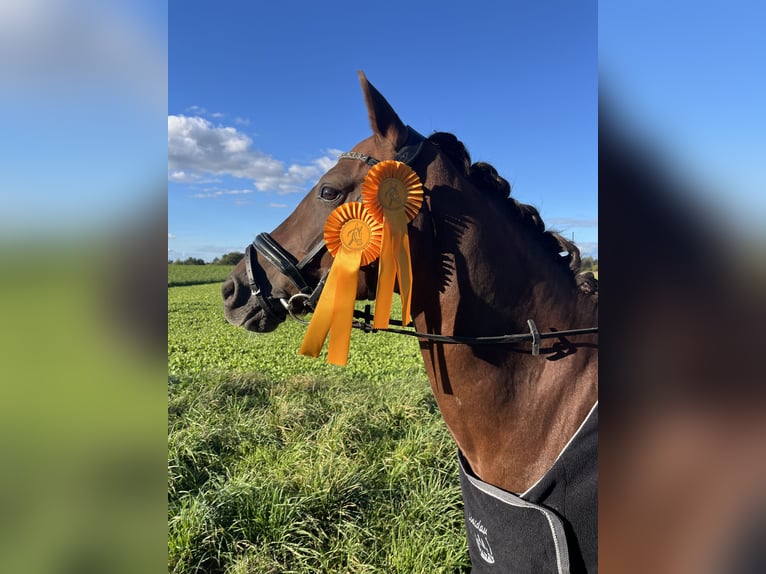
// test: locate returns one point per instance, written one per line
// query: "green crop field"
(197, 274)
(282, 463)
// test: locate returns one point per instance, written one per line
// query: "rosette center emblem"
(392, 194)
(355, 235)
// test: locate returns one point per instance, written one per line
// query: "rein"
(533, 335)
(288, 265)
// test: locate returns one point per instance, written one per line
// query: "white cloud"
(329, 159)
(183, 177)
(221, 192)
(588, 248)
(171, 236)
(278, 205)
(197, 110)
(197, 148)
(196, 178)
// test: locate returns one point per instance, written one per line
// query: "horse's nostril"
(235, 294)
(228, 289)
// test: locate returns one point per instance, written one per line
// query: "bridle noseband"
(289, 266)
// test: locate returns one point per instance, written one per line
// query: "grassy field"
(197, 274)
(281, 463)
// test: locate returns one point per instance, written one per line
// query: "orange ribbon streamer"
(393, 194)
(353, 237)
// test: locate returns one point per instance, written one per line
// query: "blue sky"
(263, 95)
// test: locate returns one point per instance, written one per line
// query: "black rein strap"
(534, 335)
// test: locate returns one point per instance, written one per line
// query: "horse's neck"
(510, 412)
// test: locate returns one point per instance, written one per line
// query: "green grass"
(281, 463)
(200, 340)
(197, 274)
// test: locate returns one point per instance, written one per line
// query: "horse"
(523, 416)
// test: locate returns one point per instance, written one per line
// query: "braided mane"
(486, 179)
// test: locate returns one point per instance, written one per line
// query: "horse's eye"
(329, 193)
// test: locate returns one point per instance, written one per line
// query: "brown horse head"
(291, 261)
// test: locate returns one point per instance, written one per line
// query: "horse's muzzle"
(242, 309)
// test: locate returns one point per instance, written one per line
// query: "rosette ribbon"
(393, 194)
(353, 238)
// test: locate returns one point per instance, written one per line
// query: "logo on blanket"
(482, 542)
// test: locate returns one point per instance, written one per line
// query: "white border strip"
(566, 446)
(557, 528)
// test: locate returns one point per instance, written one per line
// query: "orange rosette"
(393, 194)
(354, 238)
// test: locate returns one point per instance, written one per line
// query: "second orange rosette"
(393, 194)
(353, 237)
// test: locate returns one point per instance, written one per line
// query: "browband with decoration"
(406, 154)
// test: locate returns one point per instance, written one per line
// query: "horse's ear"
(383, 118)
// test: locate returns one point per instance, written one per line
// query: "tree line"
(231, 258)
(589, 264)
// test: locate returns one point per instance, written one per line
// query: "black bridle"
(270, 249)
(289, 266)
